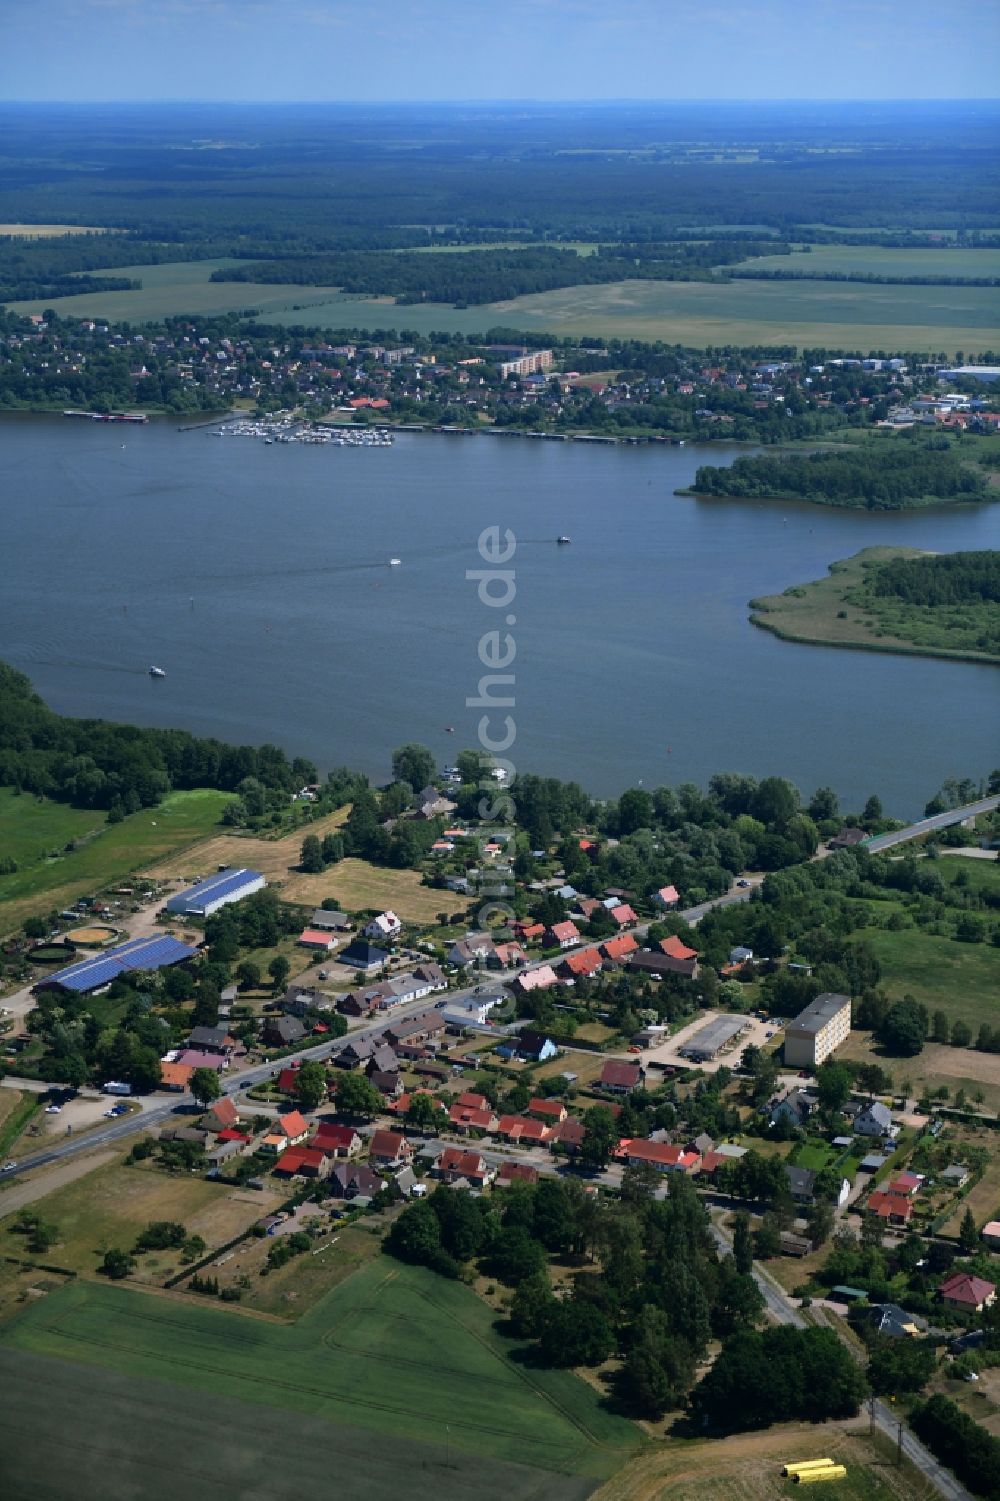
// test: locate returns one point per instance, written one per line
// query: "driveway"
(668, 1053)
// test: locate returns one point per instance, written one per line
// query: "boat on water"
(157, 672)
(449, 729)
(564, 541)
(395, 562)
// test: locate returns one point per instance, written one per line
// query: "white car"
(53, 1110)
(8, 1167)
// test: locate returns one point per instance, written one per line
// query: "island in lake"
(895, 599)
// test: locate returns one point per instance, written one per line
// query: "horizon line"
(537, 100)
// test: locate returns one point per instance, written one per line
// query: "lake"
(257, 577)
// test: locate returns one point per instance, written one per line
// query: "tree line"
(886, 477)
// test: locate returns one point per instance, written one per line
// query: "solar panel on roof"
(212, 888)
(137, 953)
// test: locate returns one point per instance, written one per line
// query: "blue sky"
(499, 49)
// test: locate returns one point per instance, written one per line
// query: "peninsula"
(895, 599)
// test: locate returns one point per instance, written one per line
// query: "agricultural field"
(109, 1207)
(114, 852)
(830, 314)
(179, 287)
(277, 859)
(747, 1467)
(289, 1291)
(48, 231)
(394, 1352)
(879, 260)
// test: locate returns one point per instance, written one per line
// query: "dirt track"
(27, 1190)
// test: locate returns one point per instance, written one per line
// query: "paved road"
(929, 825)
(882, 1414)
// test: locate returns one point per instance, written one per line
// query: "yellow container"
(794, 1466)
(827, 1472)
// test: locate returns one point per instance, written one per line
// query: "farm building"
(83, 978)
(715, 1035)
(230, 885)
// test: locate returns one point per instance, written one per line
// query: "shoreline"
(829, 617)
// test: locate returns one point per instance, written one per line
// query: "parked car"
(741, 882)
(8, 1167)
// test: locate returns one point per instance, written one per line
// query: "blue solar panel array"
(213, 888)
(137, 953)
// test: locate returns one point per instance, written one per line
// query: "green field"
(960, 979)
(879, 260)
(115, 850)
(830, 314)
(399, 1365)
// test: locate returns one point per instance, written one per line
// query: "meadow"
(49, 881)
(399, 1364)
(960, 979)
(109, 1207)
(822, 611)
(807, 314)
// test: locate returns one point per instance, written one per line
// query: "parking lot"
(668, 1054)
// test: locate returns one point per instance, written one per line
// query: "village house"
(516, 1172)
(175, 1076)
(620, 1077)
(550, 1111)
(336, 1141)
(354, 1180)
(222, 1114)
(459, 1165)
(540, 978)
(664, 1156)
(963, 1290)
(320, 940)
(530, 1046)
(283, 1031)
(623, 914)
(617, 950)
(465, 1118)
(384, 927)
(363, 956)
(335, 922)
(795, 1107)
(529, 932)
(666, 898)
(561, 935)
(581, 965)
(520, 1128)
(875, 1120)
(390, 1149)
(211, 1040)
(472, 949)
(566, 1136)
(302, 1162)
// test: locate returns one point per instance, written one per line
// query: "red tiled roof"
(586, 962)
(293, 1123)
(555, 1109)
(659, 1153)
(617, 948)
(231, 1134)
(623, 914)
(462, 1115)
(564, 932)
(887, 1205)
(517, 1172)
(296, 1158)
(617, 1072)
(675, 949)
(963, 1287)
(458, 1160)
(520, 1128)
(387, 1143)
(316, 937)
(668, 894)
(288, 1079)
(333, 1138)
(224, 1111)
(473, 1101)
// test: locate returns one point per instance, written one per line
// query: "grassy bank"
(834, 612)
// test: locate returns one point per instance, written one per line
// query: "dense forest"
(887, 477)
(604, 172)
(96, 764)
(478, 276)
(955, 578)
